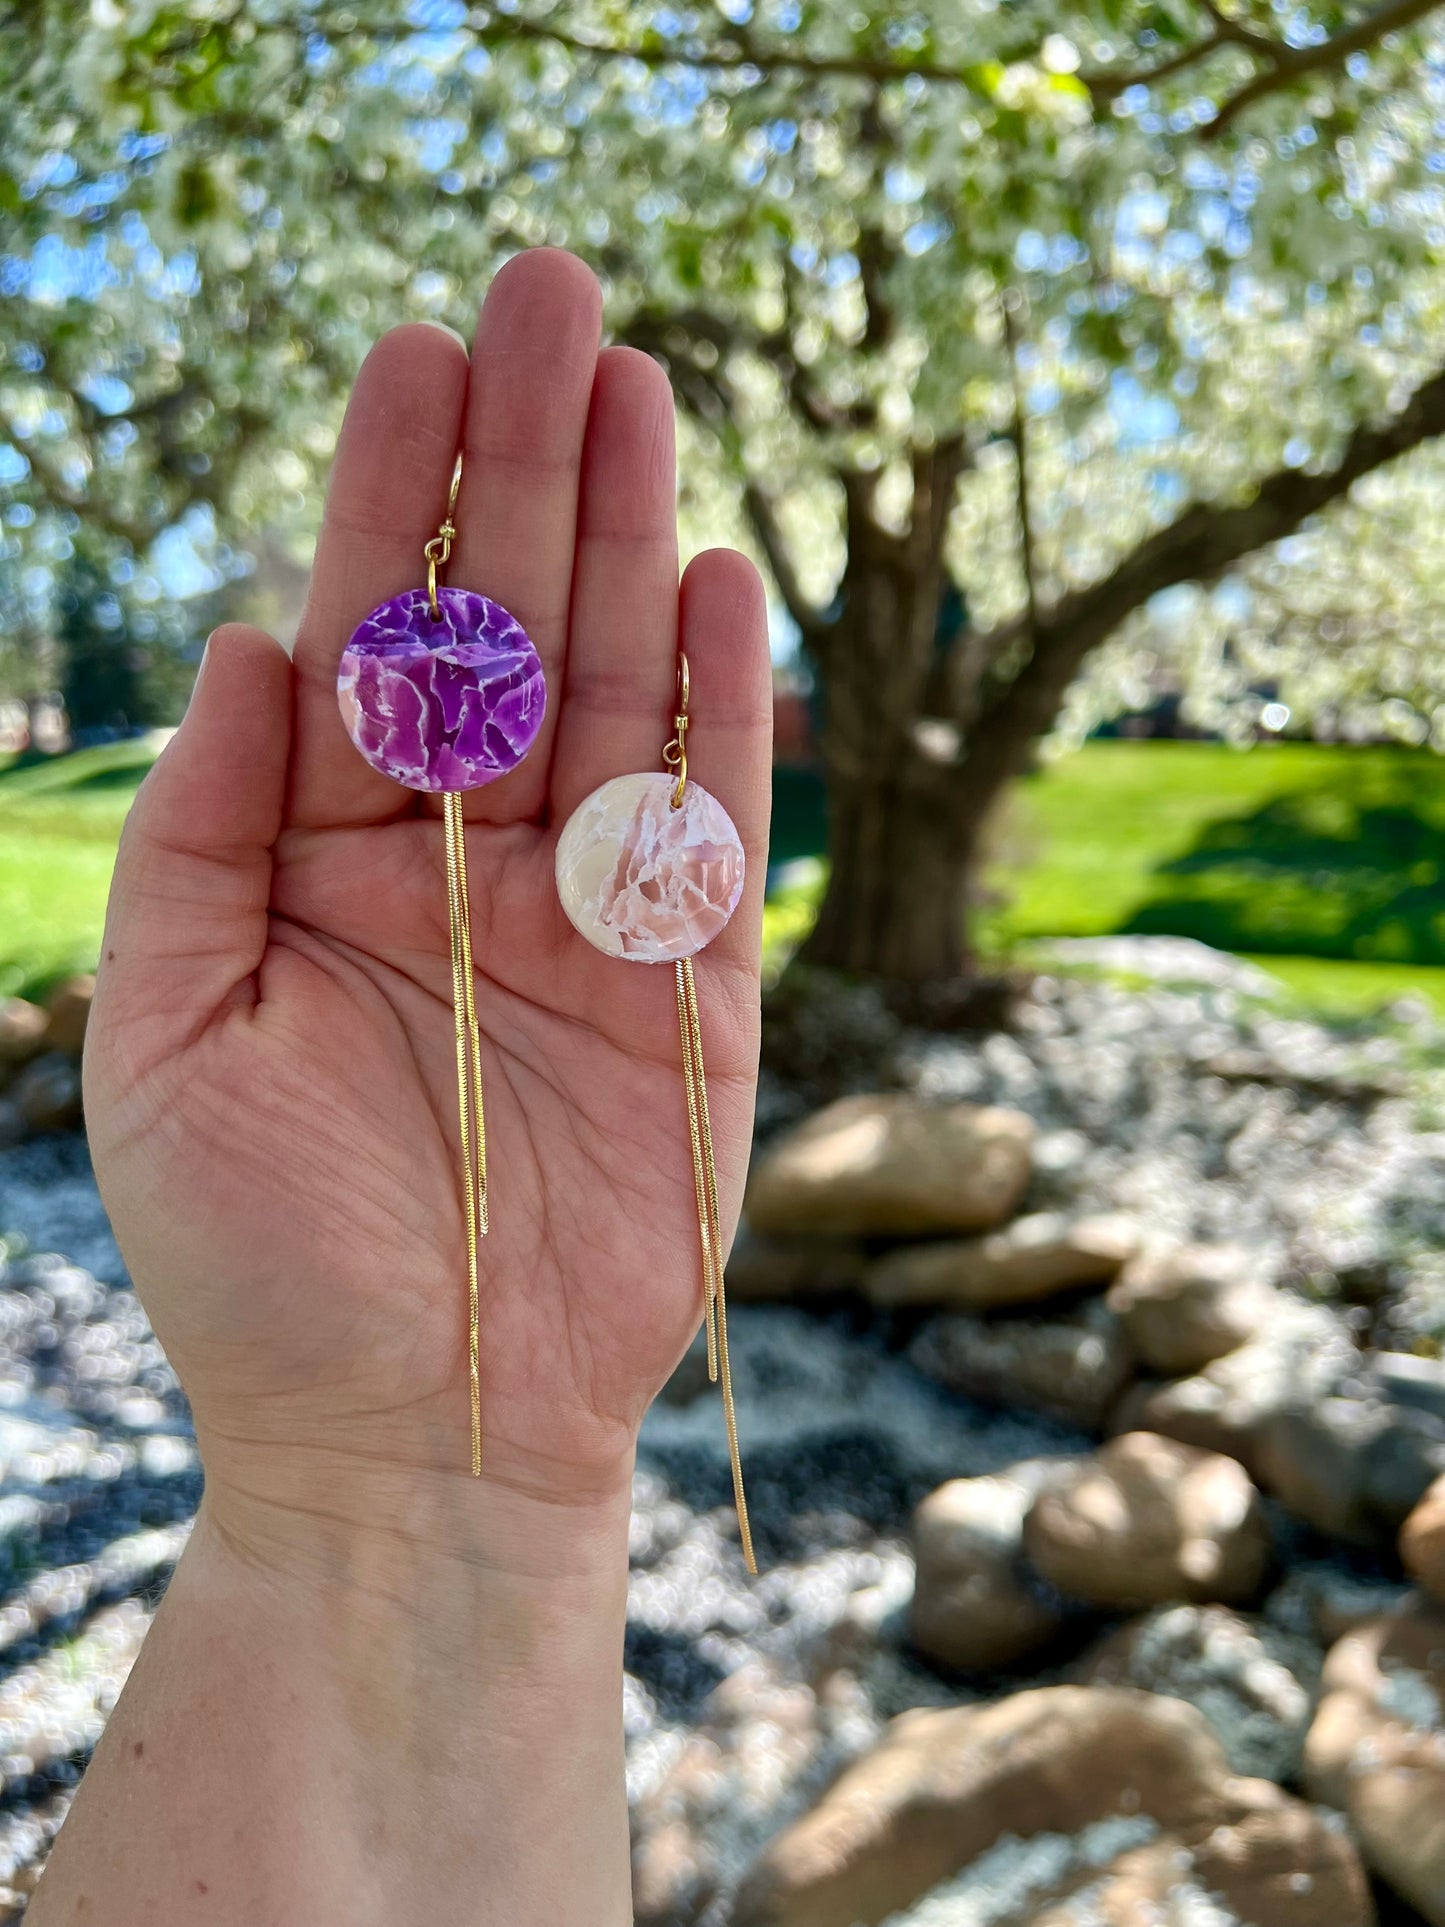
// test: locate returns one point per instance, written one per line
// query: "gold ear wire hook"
(675, 754)
(438, 551)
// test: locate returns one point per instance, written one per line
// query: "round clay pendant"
(640, 879)
(446, 701)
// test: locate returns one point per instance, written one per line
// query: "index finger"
(388, 494)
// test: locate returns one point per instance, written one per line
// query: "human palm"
(271, 1082)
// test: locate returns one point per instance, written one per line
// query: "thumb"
(187, 921)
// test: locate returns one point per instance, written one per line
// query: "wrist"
(478, 1597)
(322, 1517)
(397, 1718)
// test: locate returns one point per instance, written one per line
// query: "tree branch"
(1286, 64)
(762, 515)
(1105, 88)
(742, 56)
(705, 391)
(91, 508)
(1282, 64)
(1198, 546)
(1021, 497)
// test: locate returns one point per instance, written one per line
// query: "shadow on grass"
(1355, 868)
(120, 776)
(77, 772)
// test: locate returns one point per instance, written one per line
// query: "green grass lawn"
(1326, 866)
(59, 824)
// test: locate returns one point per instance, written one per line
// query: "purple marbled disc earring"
(444, 699)
(441, 690)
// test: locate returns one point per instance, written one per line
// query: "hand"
(270, 1078)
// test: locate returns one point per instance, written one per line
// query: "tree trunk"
(900, 869)
(905, 805)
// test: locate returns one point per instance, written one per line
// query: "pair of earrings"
(442, 690)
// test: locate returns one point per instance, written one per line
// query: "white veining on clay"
(643, 880)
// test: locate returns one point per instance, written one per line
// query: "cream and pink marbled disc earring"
(650, 868)
(645, 877)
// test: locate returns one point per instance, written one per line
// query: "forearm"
(368, 1726)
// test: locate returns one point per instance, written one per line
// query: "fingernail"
(430, 321)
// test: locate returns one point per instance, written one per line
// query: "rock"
(892, 1166)
(1229, 1406)
(47, 1093)
(943, 1789)
(1376, 1749)
(12, 1123)
(1422, 1542)
(1146, 1520)
(67, 1011)
(1183, 1309)
(1283, 1864)
(689, 1380)
(1352, 1467)
(975, 1605)
(22, 1031)
(668, 1881)
(1409, 1380)
(1141, 1884)
(1323, 1602)
(769, 1269)
(1070, 1366)
(1254, 1683)
(673, 1871)
(1032, 1258)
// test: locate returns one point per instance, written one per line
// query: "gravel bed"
(1204, 1110)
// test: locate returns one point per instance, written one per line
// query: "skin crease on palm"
(270, 1080)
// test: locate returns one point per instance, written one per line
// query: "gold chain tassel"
(710, 1233)
(699, 1176)
(469, 1098)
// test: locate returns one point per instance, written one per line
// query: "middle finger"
(532, 368)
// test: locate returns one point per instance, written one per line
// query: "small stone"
(668, 1879)
(782, 1269)
(1351, 1466)
(22, 1030)
(892, 1166)
(1070, 1365)
(1376, 1749)
(975, 1605)
(443, 702)
(642, 880)
(1422, 1542)
(689, 1379)
(67, 1012)
(47, 1093)
(1182, 1309)
(1146, 1520)
(1408, 1380)
(1253, 1682)
(1031, 1259)
(1229, 1406)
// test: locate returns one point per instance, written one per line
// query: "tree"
(101, 672)
(1061, 307)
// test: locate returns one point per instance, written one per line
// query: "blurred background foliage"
(1054, 361)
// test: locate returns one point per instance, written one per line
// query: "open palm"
(270, 1079)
